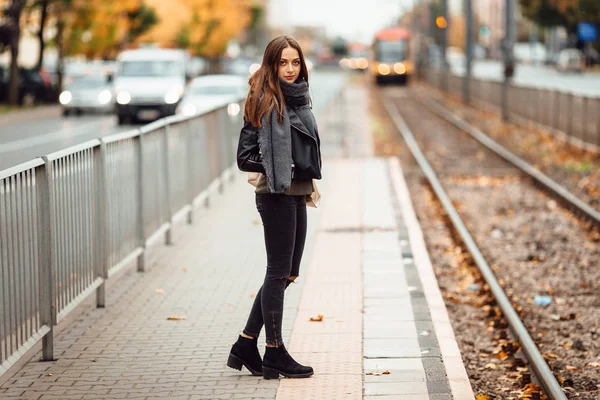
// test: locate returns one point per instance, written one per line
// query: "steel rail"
(548, 183)
(536, 360)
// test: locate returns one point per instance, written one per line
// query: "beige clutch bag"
(312, 200)
(253, 178)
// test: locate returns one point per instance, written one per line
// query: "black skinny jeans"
(284, 222)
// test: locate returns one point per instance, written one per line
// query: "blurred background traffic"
(80, 52)
(140, 60)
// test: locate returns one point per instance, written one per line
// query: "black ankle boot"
(245, 352)
(278, 361)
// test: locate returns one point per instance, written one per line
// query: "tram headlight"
(400, 68)
(383, 69)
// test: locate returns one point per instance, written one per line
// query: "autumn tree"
(12, 34)
(567, 13)
(203, 26)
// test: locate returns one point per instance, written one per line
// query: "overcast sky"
(353, 19)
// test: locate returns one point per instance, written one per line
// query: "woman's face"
(289, 65)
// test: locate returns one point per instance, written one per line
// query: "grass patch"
(582, 167)
(5, 109)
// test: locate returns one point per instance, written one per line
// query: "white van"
(149, 83)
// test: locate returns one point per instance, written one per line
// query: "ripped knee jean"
(284, 223)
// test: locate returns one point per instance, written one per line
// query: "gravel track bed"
(535, 246)
(577, 170)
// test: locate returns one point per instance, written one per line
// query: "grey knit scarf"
(275, 138)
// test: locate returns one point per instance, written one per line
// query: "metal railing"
(571, 117)
(72, 219)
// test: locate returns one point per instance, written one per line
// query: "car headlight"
(174, 95)
(233, 109)
(188, 109)
(104, 97)
(65, 97)
(123, 97)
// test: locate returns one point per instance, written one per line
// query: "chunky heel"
(234, 362)
(270, 373)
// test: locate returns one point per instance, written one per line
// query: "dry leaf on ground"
(594, 364)
(177, 318)
(318, 318)
(160, 291)
(386, 372)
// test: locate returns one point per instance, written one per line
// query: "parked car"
(207, 91)
(570, 60)
(88, 94)
(32, 87)
(149, 83)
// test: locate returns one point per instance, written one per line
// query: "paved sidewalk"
(365, 270)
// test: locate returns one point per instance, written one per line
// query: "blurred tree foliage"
(100, 28)
(203, 26)
(567, 13)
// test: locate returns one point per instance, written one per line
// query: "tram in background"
(391, 56)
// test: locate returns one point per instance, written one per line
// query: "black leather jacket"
(306, 150)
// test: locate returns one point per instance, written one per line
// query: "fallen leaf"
(318, 318)
(177, 318)
(386, 372)
(482, 397)
(160, 291)
(502, 356)
(570, 368)
(491, 366)
(49, 374)
(594, 364)
(551, 355)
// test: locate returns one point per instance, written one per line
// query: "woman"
(280, 141)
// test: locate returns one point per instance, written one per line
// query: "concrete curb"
(455, 369)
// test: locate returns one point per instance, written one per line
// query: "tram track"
(464, 165)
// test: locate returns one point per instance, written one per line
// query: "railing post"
(189, 141)
(167, 185)
(597, 100)
(141, 236)
(584, 121)
(101, 222)
(47, 289)
(556, 97)
(569, 131)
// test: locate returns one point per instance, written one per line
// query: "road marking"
(61, 134)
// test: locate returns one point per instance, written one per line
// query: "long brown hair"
(265, 91)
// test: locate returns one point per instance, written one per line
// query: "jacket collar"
(297, 123)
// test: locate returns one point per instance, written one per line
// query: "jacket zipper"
(315, 140)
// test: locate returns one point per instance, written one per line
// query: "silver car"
(208, 91)
(88, 94)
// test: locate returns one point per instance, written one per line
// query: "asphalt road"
(27, 134)
(539, 76)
